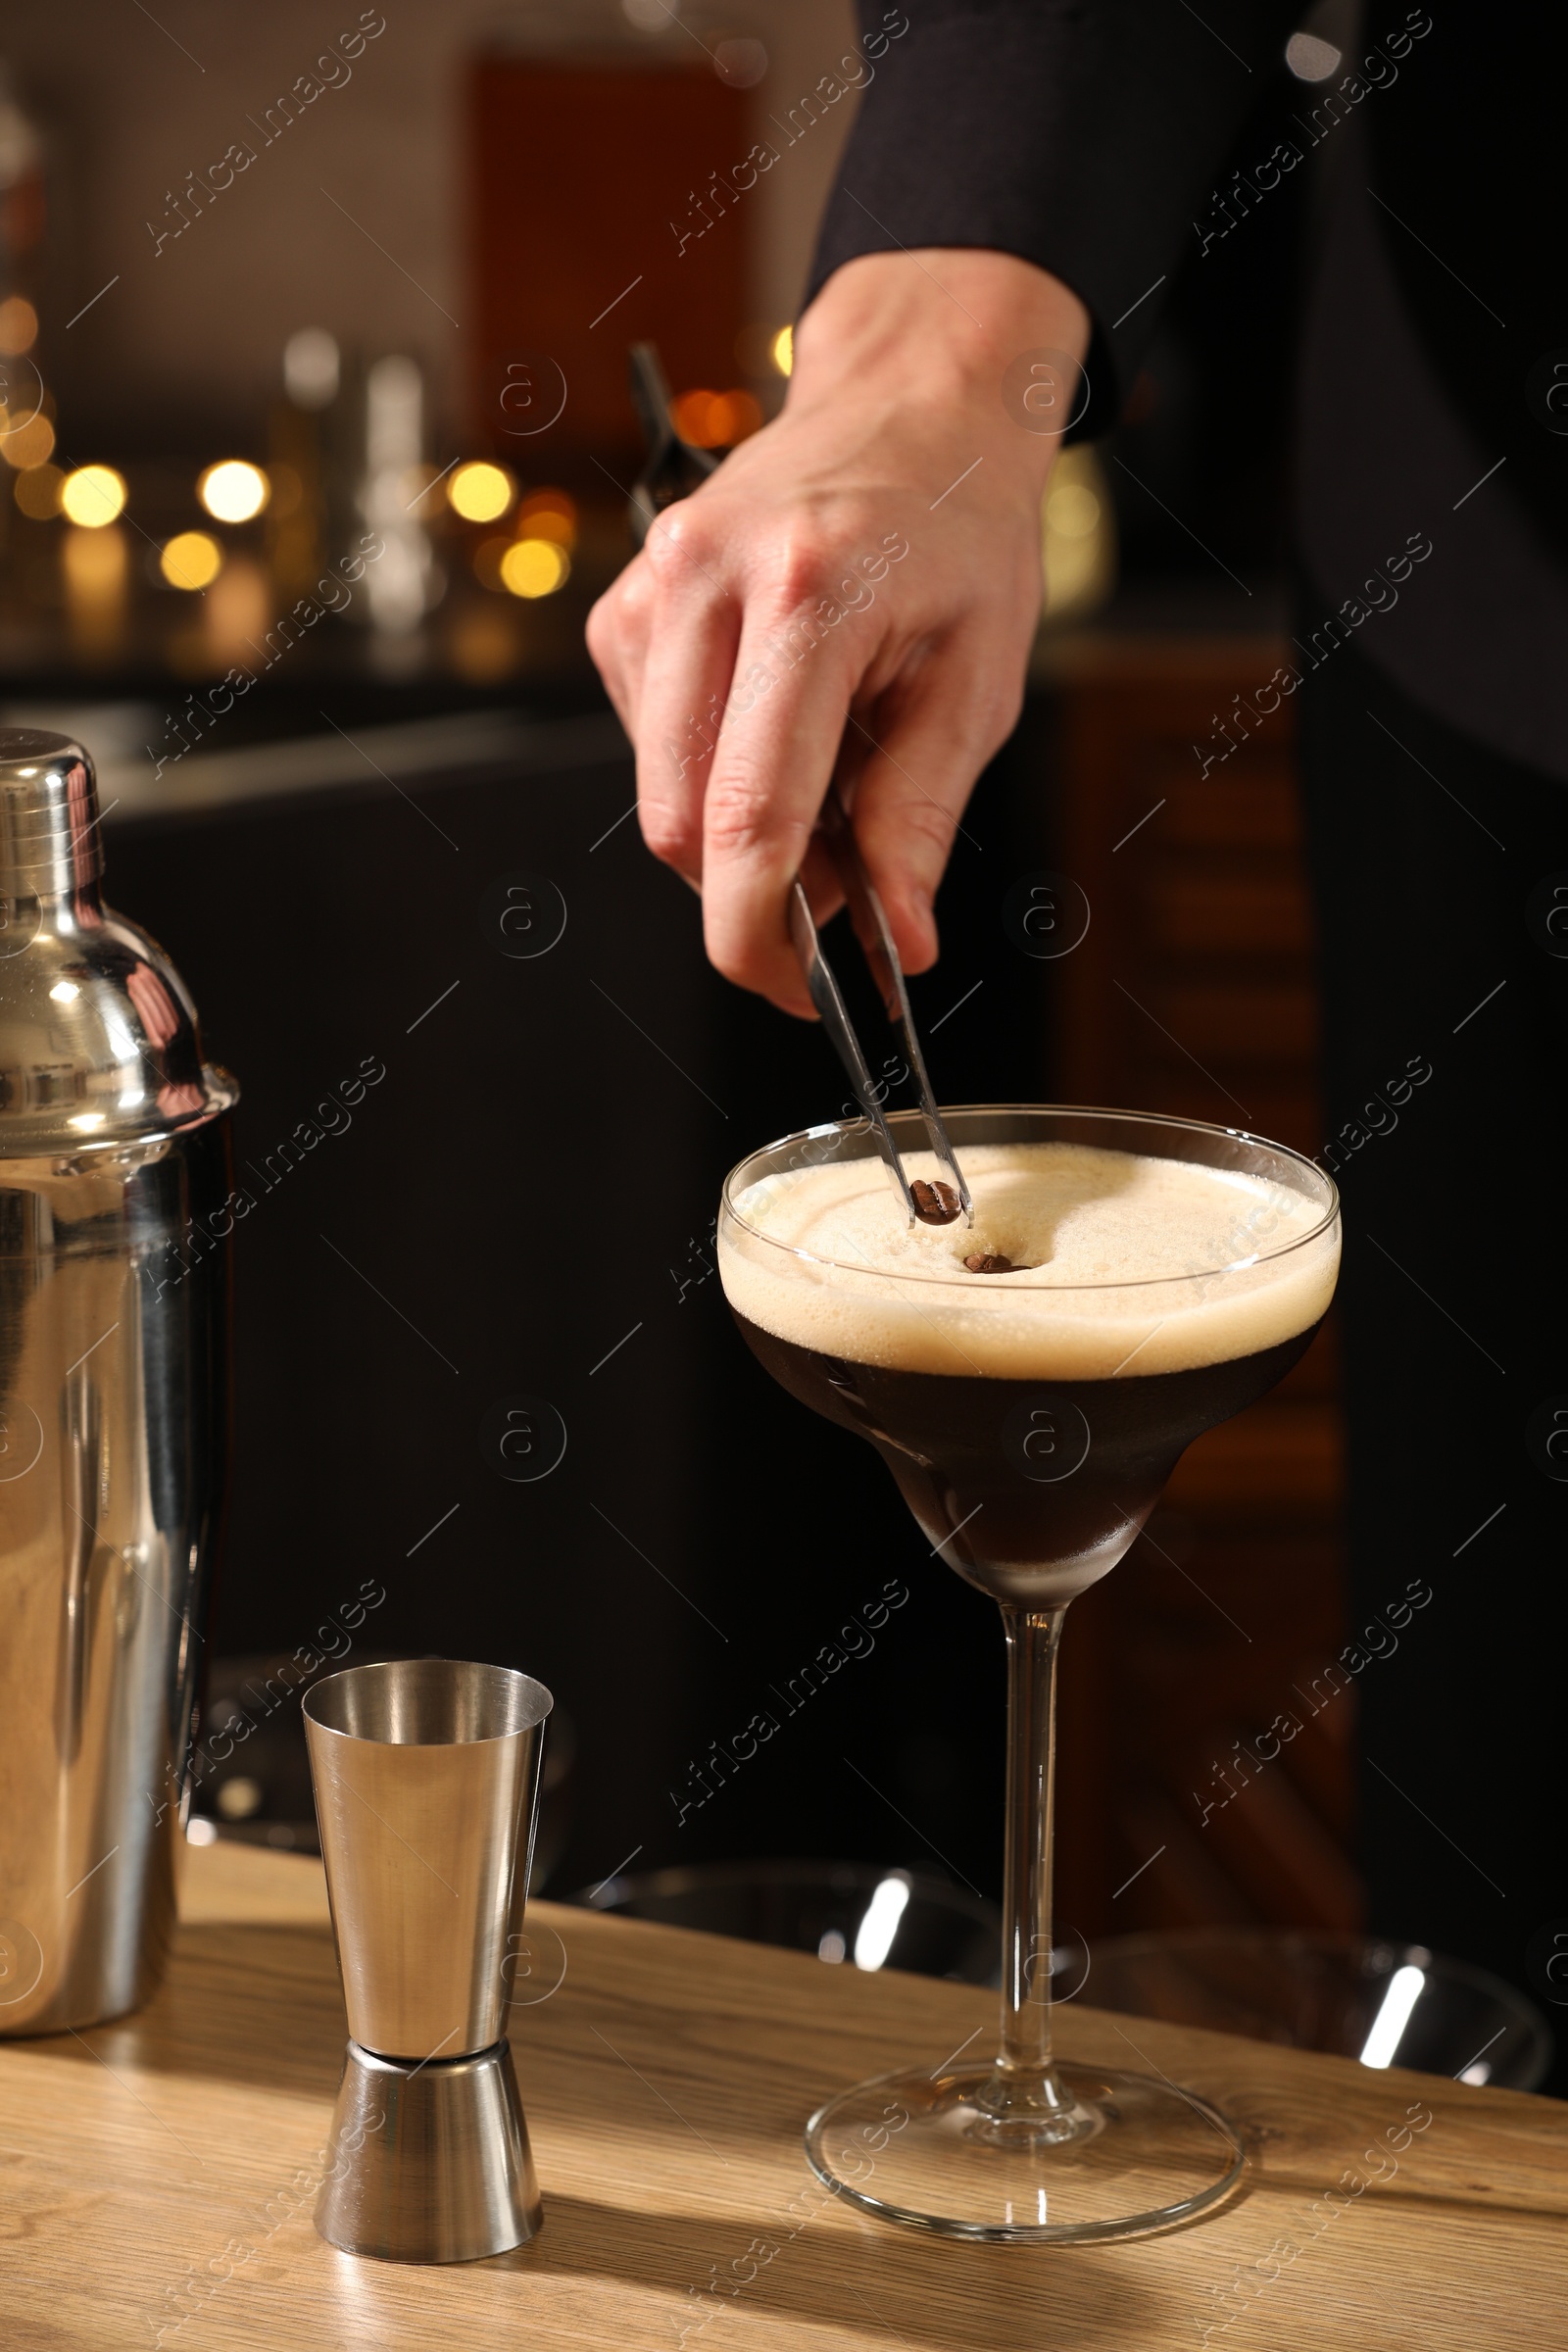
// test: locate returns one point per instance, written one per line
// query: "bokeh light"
(191, 559)
(739, 415)
(740, 63)
(715, 419)
(1078, 537)
(312, 367)
(688, 414)
(549, 514)
(37, 492)
(479, 492)
(1074, 510)
(234, 491)
(31, 443)
(534, 567)
(93, 495)
(781, 351)
(19, 326)
(1309, 58)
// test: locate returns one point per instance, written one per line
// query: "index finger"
(794, 679)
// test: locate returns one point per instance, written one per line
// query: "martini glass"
(1032, 1482)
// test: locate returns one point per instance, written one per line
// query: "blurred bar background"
(316, 445)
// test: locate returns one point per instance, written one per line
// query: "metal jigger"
(426, 1776)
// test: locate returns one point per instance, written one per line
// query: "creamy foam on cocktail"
(1124, 1264)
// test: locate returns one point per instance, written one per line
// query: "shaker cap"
(100, 1049)
(51, 841)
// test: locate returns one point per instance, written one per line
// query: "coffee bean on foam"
(935, 1203)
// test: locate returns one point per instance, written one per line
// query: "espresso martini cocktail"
(1031, 1381)
(1031, 1413)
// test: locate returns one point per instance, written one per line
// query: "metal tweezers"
(870, 923)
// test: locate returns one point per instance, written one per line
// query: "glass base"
(1089, 2152)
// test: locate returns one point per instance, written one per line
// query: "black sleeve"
(1083, 135)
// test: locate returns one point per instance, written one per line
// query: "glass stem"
(1026, 1937)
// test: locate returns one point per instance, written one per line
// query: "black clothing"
(1091, 138)
(1482, 640)
(1081, 137)
(1087, 136)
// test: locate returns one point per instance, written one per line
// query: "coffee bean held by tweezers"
(935, 1203)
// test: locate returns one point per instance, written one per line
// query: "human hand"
(857, 587)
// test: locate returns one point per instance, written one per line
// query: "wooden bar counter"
(157, 2176)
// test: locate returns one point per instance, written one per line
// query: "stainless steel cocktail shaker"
(115, 1212)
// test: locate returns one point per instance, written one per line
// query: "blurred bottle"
(305, 425)
(347, 441)
(402, 582)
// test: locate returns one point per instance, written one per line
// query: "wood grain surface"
(157, 2174)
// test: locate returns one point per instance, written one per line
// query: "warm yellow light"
(37, 492)
(87, 1120)
(534, 567)
(93, 495)
(734, 417)
(1074, 510)
(689, 414)
(781, 351)
(715, 419)
(1078, 537)
(19, 325)
(28, 445)
(479, 492)
(234, 491)
(191, 559)
(538, 521)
